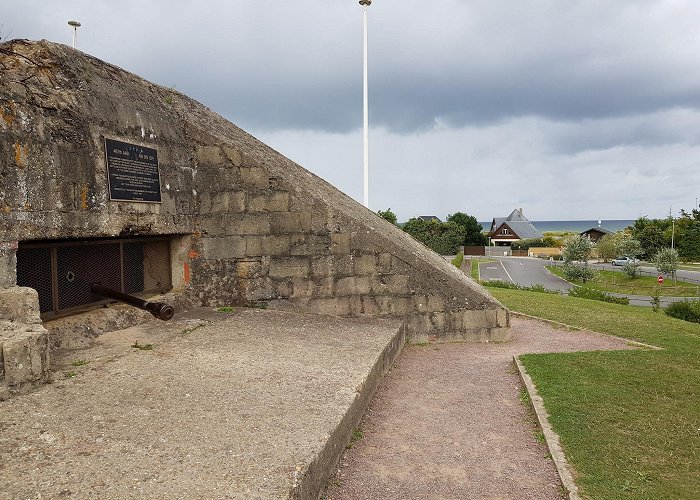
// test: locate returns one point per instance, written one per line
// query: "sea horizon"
(575, 226)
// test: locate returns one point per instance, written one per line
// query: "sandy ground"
(447, 423)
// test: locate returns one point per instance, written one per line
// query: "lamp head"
(366, 2)
(75, 24)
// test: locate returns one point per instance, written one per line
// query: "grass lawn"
(629, 421)
(612, 281)
(475, 266)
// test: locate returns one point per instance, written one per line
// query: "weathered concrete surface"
(252, 404)
(24, 342)
(262, 229)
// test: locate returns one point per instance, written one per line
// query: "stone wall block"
(8, 263)
(274, 202)
(340, 243)
(418, 326)
(322, 221)
(26, 357)
(420, 303)
(365, 264)
(289, 267)
(475, 319)
(324, 288)
(355, 307)
(503, 318)
(384, 263)
(227, 247)
(454, 321)
(248, 224)
(391, 284)
(258, 289)
(369, 305)
(335, 306)
(19, 304)
(436, 303)
(233, 155)
(313, 244)
(211, 156)
(290, 222)
(267, 245)
(353, 285)
(394, 305)
(222, 202)
(438, 322)
(248, 269)
(254, 177)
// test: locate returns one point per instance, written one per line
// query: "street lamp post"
(365, 128)
(75, 25)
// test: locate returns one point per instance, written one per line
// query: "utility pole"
(365, 128)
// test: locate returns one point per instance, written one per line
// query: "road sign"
(661, 279)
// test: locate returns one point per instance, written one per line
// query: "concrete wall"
(261, 228)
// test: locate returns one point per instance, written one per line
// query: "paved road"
(525, 271)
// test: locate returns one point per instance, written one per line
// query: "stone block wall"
(252, 227)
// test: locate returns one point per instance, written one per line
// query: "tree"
(387, 215)
(607, 247)
(652, 234)
(473, 235)
(441, 237)
(576, 252)
(577, 248)
(667, 262)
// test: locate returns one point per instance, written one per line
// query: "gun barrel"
(157, 309)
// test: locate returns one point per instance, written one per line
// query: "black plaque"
(132, 172)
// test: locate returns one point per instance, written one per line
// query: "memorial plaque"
(132, 172)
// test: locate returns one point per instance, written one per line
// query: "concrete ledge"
(552, 438)
(247, 404)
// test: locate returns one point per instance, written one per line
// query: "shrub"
(667, 261)
(457, 261)
(631, 269)
(687, 310)
(578, 272)
(590, 293)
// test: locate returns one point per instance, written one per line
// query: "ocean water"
(577, 226)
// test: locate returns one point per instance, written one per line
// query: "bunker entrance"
(63, 271)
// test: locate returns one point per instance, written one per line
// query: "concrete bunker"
(244, 225)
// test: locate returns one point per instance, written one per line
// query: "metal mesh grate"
(34, 271)
(133, 267)
(80, 266)
(62, 272)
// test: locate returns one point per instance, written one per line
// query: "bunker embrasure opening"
(62, 271)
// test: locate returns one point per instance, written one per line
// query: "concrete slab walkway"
(447, 423)
(252, 404)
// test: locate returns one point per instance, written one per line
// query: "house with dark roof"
(506, 230)
(428, 218)
(595, 233)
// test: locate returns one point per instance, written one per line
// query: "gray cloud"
(545, 99)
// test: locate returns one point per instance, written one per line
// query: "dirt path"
(447, 423)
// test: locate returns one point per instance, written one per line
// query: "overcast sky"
(569, 109)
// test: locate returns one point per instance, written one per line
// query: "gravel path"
(447, 423)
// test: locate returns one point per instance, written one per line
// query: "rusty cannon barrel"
(157, 309)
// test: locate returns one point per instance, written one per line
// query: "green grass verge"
(475, 266)
(612, 281)
(629, 421)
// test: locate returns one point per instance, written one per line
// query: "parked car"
(621, 261)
